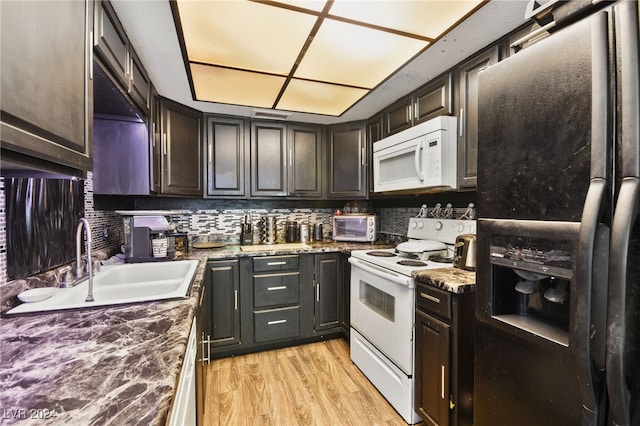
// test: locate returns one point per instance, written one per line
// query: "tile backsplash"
(221, 219)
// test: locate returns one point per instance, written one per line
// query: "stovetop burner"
(411, 263)
(380, 253)
(441, 259)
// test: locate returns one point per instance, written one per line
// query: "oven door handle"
(382, 272)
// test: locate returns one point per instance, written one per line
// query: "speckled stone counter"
(113, 365)
(453, 280)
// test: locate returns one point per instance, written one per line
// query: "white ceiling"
(150, 27)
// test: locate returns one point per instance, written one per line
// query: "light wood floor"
(313, 384)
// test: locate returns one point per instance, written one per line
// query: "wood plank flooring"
(312, 384)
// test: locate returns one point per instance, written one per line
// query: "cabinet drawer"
(276, 290)
(276, 324)
(433, 300)
(275, 263)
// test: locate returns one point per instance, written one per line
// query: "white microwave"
(355, 227)
(421, 157)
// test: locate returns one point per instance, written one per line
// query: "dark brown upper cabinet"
(348, 171)
(181, 157)
(375, 127)
(113, 47)
(305, 161)
(398, 116)
(433, 100)
(268, 159)
(468, 115)
(286, 160)
(47, 90)
(226, 154)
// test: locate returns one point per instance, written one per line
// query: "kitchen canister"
(304, 233)
(317, 232)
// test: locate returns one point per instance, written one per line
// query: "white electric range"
(383, 305)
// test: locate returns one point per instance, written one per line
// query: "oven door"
(382, 311)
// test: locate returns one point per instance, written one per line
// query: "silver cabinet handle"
(364, 160)
(280, 287)
(210, 153)
(461, 120)
(318, 292)
(442, 378)
(235, 296)
(429, 297)
(164, 144)
(205, 357)
(276, 263)
(277, 322)
(91, 58)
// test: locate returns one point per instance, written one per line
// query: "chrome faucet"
(84, 223)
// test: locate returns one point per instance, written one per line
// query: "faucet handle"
(67, 279)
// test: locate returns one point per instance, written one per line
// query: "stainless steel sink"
(118, 284)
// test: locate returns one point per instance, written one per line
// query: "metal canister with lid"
(304, 233)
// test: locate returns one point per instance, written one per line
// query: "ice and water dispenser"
(531, 284)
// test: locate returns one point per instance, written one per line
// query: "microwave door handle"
(419, 172)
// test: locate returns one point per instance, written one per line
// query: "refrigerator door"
(545, 118)
(623, 309)
(535, 113)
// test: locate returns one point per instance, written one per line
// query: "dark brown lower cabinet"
(223, 285)
(444, 356)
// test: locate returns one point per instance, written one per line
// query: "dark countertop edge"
(453, 280)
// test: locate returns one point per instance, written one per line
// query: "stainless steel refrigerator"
(558, 272)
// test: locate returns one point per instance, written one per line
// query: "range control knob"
(460, 227)
(414, 224)
(438, 225)
(420, 225)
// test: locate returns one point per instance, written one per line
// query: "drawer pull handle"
(280, 287)
(429, 297)
(276, 263)
(277, 322)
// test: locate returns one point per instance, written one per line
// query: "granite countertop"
(104, 365)
(454, 280)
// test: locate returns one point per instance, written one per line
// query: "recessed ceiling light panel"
(354, 55)
(216, 84)
(319, 98)
(243, 34)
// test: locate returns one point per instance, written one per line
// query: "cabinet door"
(432, 387)
(268, 159)
(202, 355)
(47, 92)
(139, 83)
(468, 118)
(398, 116)
(327, 276)
(225, 156)
(110, 42)
(375, 126)
(181, 150)
(344, 294)
(305, 161)
(433, 100)
(155, 147)
(347, 161)
(223, 280)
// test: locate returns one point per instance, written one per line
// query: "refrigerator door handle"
(625, 215)
(582, 324)
(626, 212)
